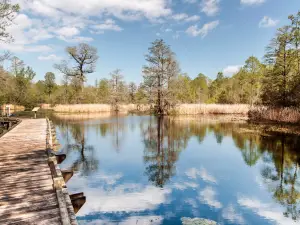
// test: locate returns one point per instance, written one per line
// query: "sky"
(207, 36)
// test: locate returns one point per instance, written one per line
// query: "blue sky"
(207, 35)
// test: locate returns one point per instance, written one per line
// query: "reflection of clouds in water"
(193, 173)
(268, 211)
(109, 179)
(229, 213)
(137, 220)
(191, 202)
(128, 197)
(185, 185)
(208, 196)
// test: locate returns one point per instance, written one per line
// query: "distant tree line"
(274, 81)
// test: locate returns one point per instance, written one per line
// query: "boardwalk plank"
(26, 193)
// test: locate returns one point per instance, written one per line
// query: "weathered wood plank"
(26, 191)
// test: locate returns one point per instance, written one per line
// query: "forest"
(273, 81)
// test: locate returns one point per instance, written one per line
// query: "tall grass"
(279, 114)
(83, 116)
(183, 109)
(196, 109)
(12, 107)
(95, 108)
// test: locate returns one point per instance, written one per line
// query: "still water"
(146, 170)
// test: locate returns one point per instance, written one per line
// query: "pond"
(148, 170)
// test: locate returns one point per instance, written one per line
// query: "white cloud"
(195, 31)
(210, 7)
(183, 17)
(230, 70)
(108, 24)
(180, 16)
(118, 8)
(229, 213)
(65, 20)
(25, 48)
(51, 57)
(28, 32)
(68, 31)
(268, 22)
(192, 18)
(265, 210)
(208, 196)
(190, 1)
(76, 39)
(252, 2)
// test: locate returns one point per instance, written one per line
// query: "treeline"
(274, 81)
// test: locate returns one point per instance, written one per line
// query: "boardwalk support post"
(67, 174)
(66, 208)
(78, 200)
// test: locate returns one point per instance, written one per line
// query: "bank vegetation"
(267, 89)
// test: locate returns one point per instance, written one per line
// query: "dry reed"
(196, 109)
(12, 107)
(95, 108)
(279, 114)
(183, 109)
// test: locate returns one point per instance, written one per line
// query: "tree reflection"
(281, 175)
(115, 128)
(279, 153)
(163, 143)
(85, 163)
(164, 139)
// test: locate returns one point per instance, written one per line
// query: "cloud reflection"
(208, 196)
(268, 211)
(229, 213)
(185, 185)
(137, 220)
(193, 173)
(110, 197)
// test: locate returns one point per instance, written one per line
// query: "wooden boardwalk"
(27, 195)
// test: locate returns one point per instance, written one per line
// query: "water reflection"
(163, 143)
(84, 162)
(223, 171)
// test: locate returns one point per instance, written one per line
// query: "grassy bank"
(281, 115)
(216, 109)
(181, 109)
(258, 113)
(95, 108)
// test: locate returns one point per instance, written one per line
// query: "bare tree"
(117, 88)
(83, 57)
(159, 74)
(16, 65)
(8, 12)
(132, 91)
